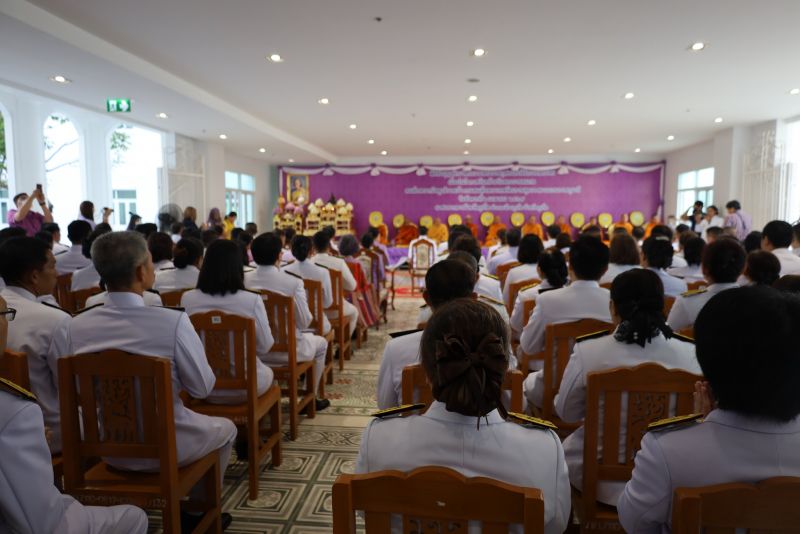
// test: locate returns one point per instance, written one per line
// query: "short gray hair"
(116, 255)
(349, 245)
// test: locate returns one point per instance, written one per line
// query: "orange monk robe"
(649, 229)
(535, 229)
(472, 228)
(491, 234)
(626, 225)
(438, 232)
(565, 228)
(383, 234)
(406, 234)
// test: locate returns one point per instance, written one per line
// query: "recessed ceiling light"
(628, 96)
(637, 150)
(275, 58)
(466, 152)
(262, 149)
(383, 153)
(371, 141)
(478, 52)
(592, 122)
(353, 126)
(472, 98)
(223, 136)
(698, 46)
(670, 138)
(470, 123)
(795, 91)
(550, 150)
(58, 78)
(162, 115)
(467, 141)
(323, 101)
(291, 160)
(718, 120)
(567, 139)
(473, 80)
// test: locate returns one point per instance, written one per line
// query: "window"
(62, 167)
(4, 177)
(124, 205)
(694, 186)
(239, 195)
(136, 156)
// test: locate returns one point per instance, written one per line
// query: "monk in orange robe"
(438, 231)
(655, 220)
(491, 233)
(564, 225)
(383, 234)
(624, 222)
(406, 233)
(533, 227)
(471, 225)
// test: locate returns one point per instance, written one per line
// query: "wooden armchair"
(314, 295)
(280, 313)
(340, 323)
(230, 344)
(415, 384)
(78, 298)
(513, 291)
(502, 271)
(172, 299)
(422, 259)
(622, 402)
(769, 506)
(436, 497)
(125, 401)
(63, 293)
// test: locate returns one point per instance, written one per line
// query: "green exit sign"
(118, 105)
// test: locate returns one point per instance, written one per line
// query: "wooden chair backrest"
(79, 298)
(14, 367)
(606, 285)
(337, 289)
(434, 499)
(422, 255)
(378, 250)
(369, 264)
(527, 310)
(668, 303)
(513, 291)
(559, 340)
(280, 313)
(415, 384)
(502, 271)
(700, 284)
(172, 299)
(314, 295)
(648, 392)
(768, 506)
(688, 332)
(230, 343)
(124, 402)
(62, 291)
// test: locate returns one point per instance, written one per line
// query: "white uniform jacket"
(502, 450)
(602, 354)
(150, 298)
(33, 332)
(526, 271)
(519, 304)
(72, 260)
(688, 305)
(502, 258)
(614, 270)
(163, 265)
(244, 304)
(672, 286)
(399, 352)
(425, 312)
(60, 248)
(176, 279)
(85, 278)
(308, 271)
(489, 286)
(331, 262)
(690, 273)
(29, 502)
(790, 263)
(726, 447)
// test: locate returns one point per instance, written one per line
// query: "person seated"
(151, 297)
(379, 269)
(796, 239)
(55, 230)
(88, 276)
(160, 246)
(30, 501)
(640, 336)
(713, 233)
(681, 239)
(47, 237)
(228, 224)
(530, 248)
(551, 233)
(693, 248)
(582, 299)
(501, 245)
(471, 226)
(564, 226)
(438, 231)
(790, 283)
(563, 243)
(267, 250)
(28, 267)
(623, 255)
(73, 259)
(532, 226)
(553, 273)
(723, 262)
(175, 231)
(657, 256)
(654, 221)
(750, 430)
(464, 351)
(469, 259)
(623, 223)
(187, 260)
(492, 237)
(638, 235)
(382, 236)
(761, 268)
(305, 268)
(412, 248)
(220, 286)
(513, 238)
(125, 323)
(752, 241)
(486, 285)
(322, 258)
(406, 233)
(777, 238)
(592, 230)
(362, 297)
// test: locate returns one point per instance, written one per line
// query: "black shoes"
(190, 521)
(321, 404)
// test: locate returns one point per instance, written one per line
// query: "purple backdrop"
(440, 193)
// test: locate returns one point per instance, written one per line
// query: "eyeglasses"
(9, 313)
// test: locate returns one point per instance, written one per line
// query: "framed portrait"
(297, 190)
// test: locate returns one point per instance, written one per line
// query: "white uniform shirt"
(726, 447)
(308, 271)
(60, 248)
(150, 299)
(501, 258)
(176, 279)
(332, 262)
(85, 278)
(672, 286)
(502, 450)
(614, 270)
(716, 220)
(72, 260)
(425, 312)
(519, 304)
(163, 264)
(602, 354)
(790, 263)
(29, 502)
(244, 304)
(33, 332)
(399, 352)
(678, 260)
(526, 271)
(126, 324)
(689, 274)
(687, 307)
(489, 287)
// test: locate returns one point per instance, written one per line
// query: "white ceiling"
(551, 66)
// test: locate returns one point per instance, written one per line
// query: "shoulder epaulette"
(88, 308)
(248, 270)
(154, 291)
(423, 306)
(174, 308)
(694, 292)
(254, 291)
(529, 286)
(395, 335)
(682, 337)
(14, 389)
(490, 300)
(444, 252)
(59, 308)
(61, 252)
(546, 289)
(290, 273)
(398, 410)
(323, 266)
(492, 276)
(680, 421)
(527, 420)
(593, 335)
(167, 269)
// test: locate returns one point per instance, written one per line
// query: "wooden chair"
(768, 506)
(606, 285)
(647, 393)
(415, 387)
(431, 499)
(502, 271)
(125, 402)
(14, 367)
(422, 259)
(527, 311)
(513, 291)
(280, 313)
(172, 299)
(668, 303)
(370, 262)
(230, 344)
(314, 295)
(688, 332)
(340, 324)
(693, 286)
(62, 292)
(78, 298)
